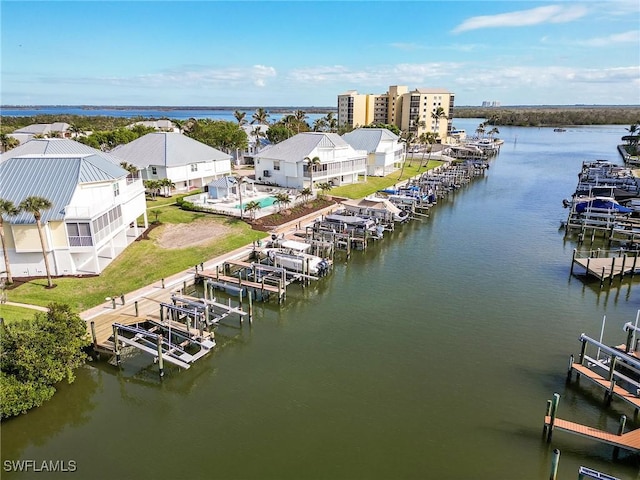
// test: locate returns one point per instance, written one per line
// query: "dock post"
(135, 306)
(633, 270)
(602, 278)
(122, 298)
(93, 333)
(113, 302)
(547, 413)
(627, 347)
(583, 350)
(250, 294)
(624, 261)
(573, 260)
(184, 287)
(552, 415)
(161, 314)
(623, 422)
(160, 359)
(571, 360)
(608, 396)
(555, 460)
(201, 321)
(116, 346)
(613, 266)
(162, 281)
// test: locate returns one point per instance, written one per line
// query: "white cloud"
(632, 36)
(534, 16)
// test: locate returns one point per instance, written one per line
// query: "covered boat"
(600, 204)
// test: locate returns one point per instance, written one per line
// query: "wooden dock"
(606, 265)
(629, 441)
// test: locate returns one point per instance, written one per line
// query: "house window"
(194, 167)
(79, 234)
(116, 189)
(154, 171)
(276, 165)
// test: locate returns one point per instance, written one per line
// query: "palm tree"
(132, 169)
(331, 121)
(257, 133)
(493, 131)
(320, 125)
(282, 199)
(6, 208)
(325, 187)
(427, 138)
(480, 130)
(8, 142)
(437, 115)
(152, 186)
(252, 207)
(260, 117)
(306, 193)
(166, 185)
(311, 165)
(406, 138)
(35, 206)
(74, 130)
(240, 117)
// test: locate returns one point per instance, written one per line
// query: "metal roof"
(368, 139)
(167, 149)
(298, 147)
(57, 146)
(52, 177)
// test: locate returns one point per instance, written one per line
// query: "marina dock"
(606, 264)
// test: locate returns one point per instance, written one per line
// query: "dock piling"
(555, 460)
(552, 415)
(160, 358)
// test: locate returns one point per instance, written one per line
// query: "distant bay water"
(158, 112)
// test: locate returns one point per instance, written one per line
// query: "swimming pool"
(264, 202)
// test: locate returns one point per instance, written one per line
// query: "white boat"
(293, 256)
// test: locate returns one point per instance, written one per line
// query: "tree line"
(552, 116)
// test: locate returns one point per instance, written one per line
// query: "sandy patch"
(199, 232)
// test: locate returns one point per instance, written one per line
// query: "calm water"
(431, 355)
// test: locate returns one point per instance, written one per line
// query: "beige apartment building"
(408, 110)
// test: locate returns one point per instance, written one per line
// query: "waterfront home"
(93, 217)
(56, 146)
(27, 133)
(188, 163)
(228, 188)
(286, 164)
(385, 153)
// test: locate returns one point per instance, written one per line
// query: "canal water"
(430, 355)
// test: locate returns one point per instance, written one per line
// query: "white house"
(385, 153)
(55, 146)
(164, 125)
(27, 133)
(284, 164)
(189, 164)
(94, 213)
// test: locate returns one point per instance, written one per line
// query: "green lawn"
(373, 184)
(16, 314)
(141, 264)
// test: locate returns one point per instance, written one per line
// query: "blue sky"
(305, 53)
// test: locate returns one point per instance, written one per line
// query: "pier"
(606, 264)
(616, 370)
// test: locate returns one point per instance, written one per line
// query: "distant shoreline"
(285, 108)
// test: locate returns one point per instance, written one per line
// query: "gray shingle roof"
(296, 148)
(56, 146)
(368, 138)
(52, 177)
(168, 149)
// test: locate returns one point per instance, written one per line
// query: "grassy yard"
(373, 184)
(141, 264)
(11, 313)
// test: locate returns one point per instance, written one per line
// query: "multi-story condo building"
(411, 111)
